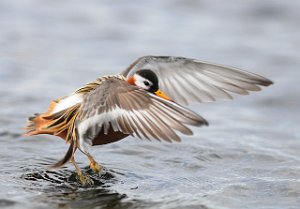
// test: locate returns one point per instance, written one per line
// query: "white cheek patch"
(139, 81)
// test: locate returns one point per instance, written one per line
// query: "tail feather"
(30, 128)
(59, 120)
(35, 125)
(60, 124)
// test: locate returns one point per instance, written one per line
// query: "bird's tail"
(60, 124)
(39, 123)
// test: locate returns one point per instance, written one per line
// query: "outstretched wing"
(117, 105)
(187, 80)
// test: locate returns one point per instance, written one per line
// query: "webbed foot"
(85, 179)
(95, 166)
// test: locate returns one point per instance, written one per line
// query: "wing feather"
(131, 110)
(188, 81)
(176, 124)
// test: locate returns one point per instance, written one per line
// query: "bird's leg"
(84, 179)
(93, 164)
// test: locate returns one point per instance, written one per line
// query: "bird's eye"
(146, 83)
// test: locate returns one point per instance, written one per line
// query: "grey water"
(249, 156)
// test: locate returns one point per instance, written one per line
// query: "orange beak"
(162, 95)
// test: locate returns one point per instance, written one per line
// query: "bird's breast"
(111, 136)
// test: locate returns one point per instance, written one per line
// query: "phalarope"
(146, 100)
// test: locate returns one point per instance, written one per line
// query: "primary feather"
(188, 81)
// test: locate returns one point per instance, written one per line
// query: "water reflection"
(63, 189)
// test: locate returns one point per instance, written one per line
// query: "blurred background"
(247, 157)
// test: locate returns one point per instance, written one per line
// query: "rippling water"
(247, 158)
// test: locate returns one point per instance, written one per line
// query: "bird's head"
(147, 80)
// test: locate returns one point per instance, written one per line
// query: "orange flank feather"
(37, 123)
(54, 123)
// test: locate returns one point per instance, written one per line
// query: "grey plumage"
(117, 104)
(189, 81)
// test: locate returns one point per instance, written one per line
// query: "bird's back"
(60, 119)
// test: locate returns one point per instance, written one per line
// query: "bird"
(147, 100)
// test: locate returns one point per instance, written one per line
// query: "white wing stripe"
(100, 119)
(155, 122)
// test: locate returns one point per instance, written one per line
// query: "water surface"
(247, 158)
